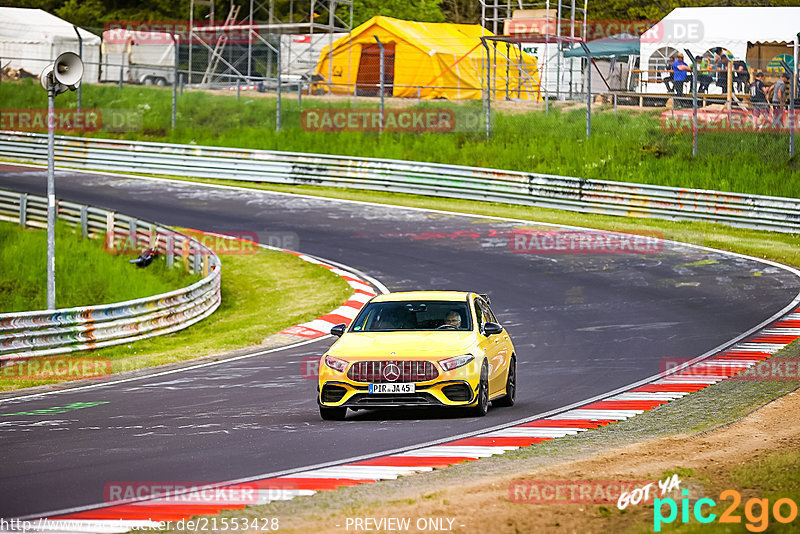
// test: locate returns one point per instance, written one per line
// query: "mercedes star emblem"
(391, 372)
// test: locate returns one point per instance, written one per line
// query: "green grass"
(774, 477)
(630, 146)
(261, 294)
(85, 273)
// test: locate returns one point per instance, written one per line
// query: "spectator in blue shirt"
(679, 70)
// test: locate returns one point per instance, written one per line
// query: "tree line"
(94, 14)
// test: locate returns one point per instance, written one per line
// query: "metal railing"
(432, 179)
(49, 332)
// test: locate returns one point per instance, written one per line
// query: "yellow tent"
(425, 59)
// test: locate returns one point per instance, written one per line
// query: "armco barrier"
(450, 181)
(49, 332)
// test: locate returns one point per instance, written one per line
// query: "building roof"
(732, 24)
(24, 25)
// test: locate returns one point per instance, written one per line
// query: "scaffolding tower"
(562, 23)
(263, 27)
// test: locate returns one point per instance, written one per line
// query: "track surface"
(583, 324)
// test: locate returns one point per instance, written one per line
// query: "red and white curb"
(362, 292)
(618, 407)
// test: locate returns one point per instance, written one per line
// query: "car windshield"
(413, 315)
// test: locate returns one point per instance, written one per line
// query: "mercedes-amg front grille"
(392, 371)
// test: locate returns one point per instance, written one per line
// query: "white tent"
(753, 34)
(31, 39)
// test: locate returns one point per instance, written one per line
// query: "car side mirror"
(338, 330)
(490, 329)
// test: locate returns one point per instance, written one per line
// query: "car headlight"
(336, 364)
(455, 362)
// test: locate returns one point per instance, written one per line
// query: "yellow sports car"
(423, 348)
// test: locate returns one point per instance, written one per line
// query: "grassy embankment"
(628, 147)
(262, 294)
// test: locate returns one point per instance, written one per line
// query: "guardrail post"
(196, 262)
(185, 253)
(23, 209)
(84, 222)
(170, 251)
(133, 234)
(205, 265)
(110, 230)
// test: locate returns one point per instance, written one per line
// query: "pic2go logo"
(756, 511)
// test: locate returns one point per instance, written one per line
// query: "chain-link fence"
(391, 65)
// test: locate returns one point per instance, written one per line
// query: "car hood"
(405, 345)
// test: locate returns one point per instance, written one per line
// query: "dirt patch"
(482, 504)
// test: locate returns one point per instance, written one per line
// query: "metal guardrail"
(450, 181)
(49, 332)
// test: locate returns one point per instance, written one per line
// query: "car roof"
(461, 296)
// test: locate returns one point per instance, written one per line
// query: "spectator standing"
(779, 98)
(758, 99)
(679, 70)
(741, 76)
(703, 74)
(721, 67)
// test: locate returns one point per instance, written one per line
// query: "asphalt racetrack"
(583, 324)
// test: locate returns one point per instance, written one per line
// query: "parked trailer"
(146, 58)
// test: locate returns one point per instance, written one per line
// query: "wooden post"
(730, 86)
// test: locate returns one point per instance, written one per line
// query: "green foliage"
(95, 13)
(462, 11)
(418, 10)
(657, 9)
(85, 273)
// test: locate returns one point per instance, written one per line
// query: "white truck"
(146, 58)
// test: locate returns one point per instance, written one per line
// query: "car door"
(503, 351)
(491, 346)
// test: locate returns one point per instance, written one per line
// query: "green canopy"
(616, 45)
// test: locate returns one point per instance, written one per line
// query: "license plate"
(391, 388)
